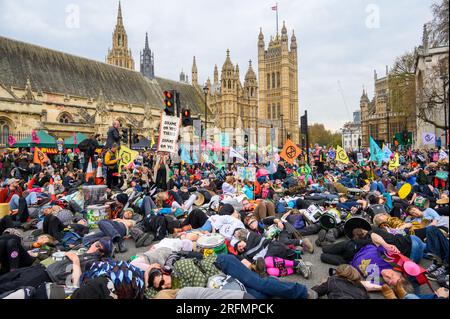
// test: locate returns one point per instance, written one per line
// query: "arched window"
(273, 80)
(278, 79)
(279, 109)
(274, 111)
(229, 84)
(65, 118)
(251, 92)
(269, 113)
(4, 132)
(268, 81)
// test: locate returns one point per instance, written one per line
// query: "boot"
(388, 293)
(400, 290)
(121, 247)
(144, 240)
(259, 267)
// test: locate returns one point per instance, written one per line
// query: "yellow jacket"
(111, 159)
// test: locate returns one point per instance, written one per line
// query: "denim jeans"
(347, 182)
(260, 288)
(377, 186)
(413, 296)
(114, 230)
(346, 205)
(206, 227)
(418, 249)
(437, 243)
(30, 199)
(148, 205)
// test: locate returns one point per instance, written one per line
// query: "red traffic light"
(168, 95)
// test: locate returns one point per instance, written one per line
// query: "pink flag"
(275, 8)
(34, 138)
(11, 140)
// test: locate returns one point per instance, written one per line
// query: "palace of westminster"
(43, 89)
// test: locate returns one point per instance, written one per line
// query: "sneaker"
(307, 245)
(330, 236)
(312, 294)
(140, 241)
(304, 268)
(437, 273)
(443, 281)
(433, 267)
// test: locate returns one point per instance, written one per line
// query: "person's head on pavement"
(158, 277)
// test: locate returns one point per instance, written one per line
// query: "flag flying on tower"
(341, 155)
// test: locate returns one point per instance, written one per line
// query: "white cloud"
(334, 42)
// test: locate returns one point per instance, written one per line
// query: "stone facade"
(120, 55)
(379, 118)
(351, 133)
(233, 104)
(61, 93)
(430, 65)
(278, 86)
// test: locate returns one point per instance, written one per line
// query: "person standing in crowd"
(112, 163)
(113, 136)
(88, 147)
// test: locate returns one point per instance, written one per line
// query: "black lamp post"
(206, 91)
(444, 79)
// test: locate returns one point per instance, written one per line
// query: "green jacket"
(190, 272)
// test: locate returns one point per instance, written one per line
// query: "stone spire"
(120, 55)
(147, 61)
(425, 39)
(216, 75)
(119, 15)
(293, 41)
(194, 73)
(261, 39)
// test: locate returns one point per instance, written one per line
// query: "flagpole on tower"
(275, 8)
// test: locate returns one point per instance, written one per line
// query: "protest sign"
(168, 134)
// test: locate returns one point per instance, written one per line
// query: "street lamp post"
(206, 90)
(444, 78)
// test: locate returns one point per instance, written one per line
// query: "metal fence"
(17, 136)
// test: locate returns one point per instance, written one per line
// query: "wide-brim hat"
(200, 199)
(353, 223)
(442, 201)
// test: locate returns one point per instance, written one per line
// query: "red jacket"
(6, 194)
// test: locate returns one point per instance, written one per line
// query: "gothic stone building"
(278, 86)
(379, 118)
(61, 93)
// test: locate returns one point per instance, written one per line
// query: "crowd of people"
(208, 234)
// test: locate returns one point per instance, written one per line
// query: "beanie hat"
(122, 198)
(226, 209)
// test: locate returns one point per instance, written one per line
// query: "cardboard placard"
(168, 134)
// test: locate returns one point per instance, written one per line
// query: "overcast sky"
(338, 40)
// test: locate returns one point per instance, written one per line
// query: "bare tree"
(439, 24)
(404, 64)
(430, 94)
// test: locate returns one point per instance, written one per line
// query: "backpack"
(377, 209)
(70, 240)
(297, 221)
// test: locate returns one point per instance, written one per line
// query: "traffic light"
(187, 121)
(169, 101)
(135, 138)
(124, 136)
